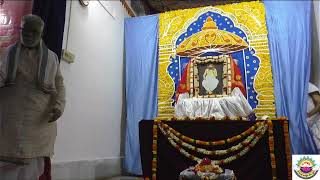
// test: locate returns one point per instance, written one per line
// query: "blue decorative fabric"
(141, 51)
(289, 26)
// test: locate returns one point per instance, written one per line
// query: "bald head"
(31, 30)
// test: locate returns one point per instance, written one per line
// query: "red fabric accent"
(11, 13)
(183, 86)
(236, 80)
(47, 169)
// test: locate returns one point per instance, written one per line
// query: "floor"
(124, 178)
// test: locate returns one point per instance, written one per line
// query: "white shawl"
(48, 67)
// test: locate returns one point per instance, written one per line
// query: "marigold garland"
(237, 147)
(211, 143)
(223, 161)
(271, 148)
(266, 126)
(154, 150)
(287, 145)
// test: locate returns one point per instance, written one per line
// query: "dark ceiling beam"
(128, 8)
(159, 6)
(148, 8)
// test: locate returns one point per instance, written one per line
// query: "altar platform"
(256, 164)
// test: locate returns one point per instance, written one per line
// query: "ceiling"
(158, 6)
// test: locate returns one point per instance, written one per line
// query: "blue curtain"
(141, 51)
(289, 26)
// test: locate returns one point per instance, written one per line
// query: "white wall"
(315, 63)
(90, 128)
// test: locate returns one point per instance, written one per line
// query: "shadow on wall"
(315, 60)
(124, 112)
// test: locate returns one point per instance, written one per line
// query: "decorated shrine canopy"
(211, 39)
(238, 30)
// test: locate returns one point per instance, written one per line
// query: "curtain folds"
(141, 51)
(289, 26)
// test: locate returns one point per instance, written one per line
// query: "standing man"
(32, 98)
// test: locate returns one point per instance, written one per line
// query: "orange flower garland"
(258, 130)
(154, 150)
(223, 161)
(271, 148)
(287, 144)
(210, 143)
(237, 147)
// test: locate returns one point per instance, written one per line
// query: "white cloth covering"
(32, 171)
(232, 106)
(314, 121)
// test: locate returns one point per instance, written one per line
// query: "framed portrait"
(210, 76)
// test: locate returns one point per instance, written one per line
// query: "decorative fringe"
(271, 148)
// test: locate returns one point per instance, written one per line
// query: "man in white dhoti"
(32, 98)
(314, 113)
(210, 81)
